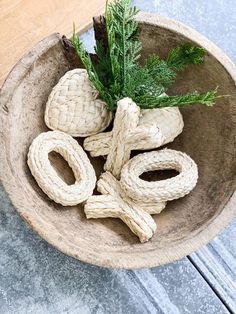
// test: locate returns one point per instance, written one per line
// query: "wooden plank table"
(24, 22)
(34, 277)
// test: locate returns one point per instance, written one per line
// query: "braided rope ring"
(47, 177)
(164, 190)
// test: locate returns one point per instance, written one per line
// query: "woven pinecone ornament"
(73, 106)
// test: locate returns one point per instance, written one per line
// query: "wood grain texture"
(220, 275)
(217, 264)
(24, 22)
(208, 137)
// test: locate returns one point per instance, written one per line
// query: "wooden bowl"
(209, 137)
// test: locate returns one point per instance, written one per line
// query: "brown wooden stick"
(100, 31)
(99, 25)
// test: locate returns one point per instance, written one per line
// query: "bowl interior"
(208, 137)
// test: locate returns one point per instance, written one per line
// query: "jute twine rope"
(73, 107)
(47, 177)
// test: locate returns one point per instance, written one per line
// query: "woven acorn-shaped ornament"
(73, 106)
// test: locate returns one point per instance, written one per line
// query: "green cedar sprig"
(123, 42)
(93, 76)
(207, 99)
(118, 74)
(178, 59)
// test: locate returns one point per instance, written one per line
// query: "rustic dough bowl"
(209, 138)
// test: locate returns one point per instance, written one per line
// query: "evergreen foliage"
(118, 74)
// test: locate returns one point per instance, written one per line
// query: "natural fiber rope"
(72, 106)
(47, 177)
(164, 190)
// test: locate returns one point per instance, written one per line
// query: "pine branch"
(159, 70)
(124, 45)
(149, 102)
(178, 58)
(164, 72)
(140, 83)
(93, 76)
(115, 71)
(103, 64)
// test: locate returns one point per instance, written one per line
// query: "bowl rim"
(149, 259)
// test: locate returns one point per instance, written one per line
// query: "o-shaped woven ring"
(47, 177)
(164, 190)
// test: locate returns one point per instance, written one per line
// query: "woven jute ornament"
(73, 106)
(134, 130)
(47, 177)
(134, 200)
(164, 190)
(116, 204)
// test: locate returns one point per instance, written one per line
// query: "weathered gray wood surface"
(35, 278)
(217, 264)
